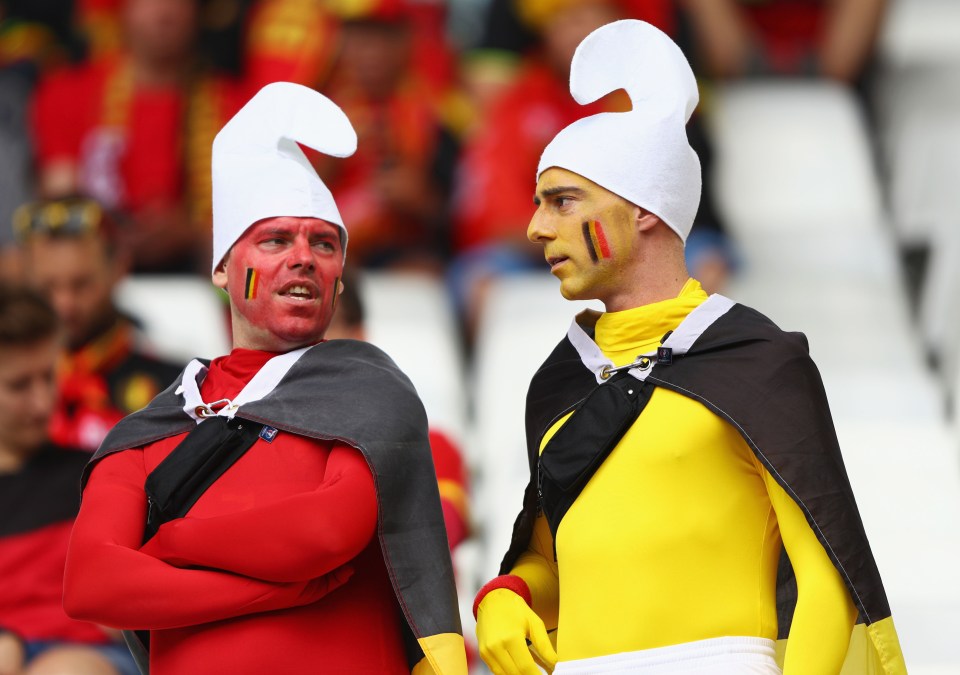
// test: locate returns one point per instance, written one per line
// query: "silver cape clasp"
(212, 409)
(643, 362)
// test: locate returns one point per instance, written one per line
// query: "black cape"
(762, 381)
(352, 392)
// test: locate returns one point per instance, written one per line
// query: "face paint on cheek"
(596, 241)
(250, 286)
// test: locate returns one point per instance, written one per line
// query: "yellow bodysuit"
(677, 536)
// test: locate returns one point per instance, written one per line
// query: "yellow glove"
(504, 624)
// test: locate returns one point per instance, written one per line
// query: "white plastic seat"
(798, 187)
(917, 100)
(793, 157)
(906, 479)
(410, 317)
(920, 32)
(182, 316)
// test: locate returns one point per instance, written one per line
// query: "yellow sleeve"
(825, 613)
(538, 569)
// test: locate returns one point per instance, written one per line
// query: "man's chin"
(575, 292)
(30, 441)
(289, 340)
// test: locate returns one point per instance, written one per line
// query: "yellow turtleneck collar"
(623, 335)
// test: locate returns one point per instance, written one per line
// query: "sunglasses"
(71, 216)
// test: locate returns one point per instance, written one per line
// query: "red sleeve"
(446, 458)
(300, 537)
(495, 202)
(110, 582)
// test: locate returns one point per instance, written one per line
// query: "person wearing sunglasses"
(107, 371)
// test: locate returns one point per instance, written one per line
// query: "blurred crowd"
(119, 101)
(108, 109)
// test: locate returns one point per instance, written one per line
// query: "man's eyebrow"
(552, 191)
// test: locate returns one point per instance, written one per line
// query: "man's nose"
(41, 396)
(301, 254)
(540, 230)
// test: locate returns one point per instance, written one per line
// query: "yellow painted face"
(589, 235)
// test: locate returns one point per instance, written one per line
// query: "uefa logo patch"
(664, 355)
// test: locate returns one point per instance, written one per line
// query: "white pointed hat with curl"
(260, 172)
(642, 155)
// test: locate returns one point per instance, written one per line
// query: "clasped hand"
(504, 624)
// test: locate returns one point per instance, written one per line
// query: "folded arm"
(109, 581)
(300, 537)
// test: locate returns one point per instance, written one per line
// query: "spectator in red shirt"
(394, 190)
(833, 39)
(289, 41)
(39, 499)
(134, 131)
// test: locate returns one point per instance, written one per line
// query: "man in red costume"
(317, 543)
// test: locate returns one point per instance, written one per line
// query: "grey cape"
(352, 392)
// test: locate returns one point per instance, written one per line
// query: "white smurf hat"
(642, 155)
(260, 172)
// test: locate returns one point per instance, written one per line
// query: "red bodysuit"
(288, 512)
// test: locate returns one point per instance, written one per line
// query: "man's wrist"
(510, 582)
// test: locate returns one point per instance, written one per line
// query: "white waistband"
(716, 656)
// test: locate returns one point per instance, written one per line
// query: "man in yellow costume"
(688, 509)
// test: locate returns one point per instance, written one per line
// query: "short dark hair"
(25, 316)
(350, 307)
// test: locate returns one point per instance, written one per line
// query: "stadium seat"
(920, 32)
(410, 317)
(906, 477)
(793, 157)
(182, 316)
(917, 101)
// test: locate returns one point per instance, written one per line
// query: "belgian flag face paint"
(250, 286)
(596, 241)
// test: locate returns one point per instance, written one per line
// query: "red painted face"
(283, 277)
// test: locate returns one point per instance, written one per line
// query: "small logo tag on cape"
(268, 433)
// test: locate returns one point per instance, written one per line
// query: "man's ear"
(645, 220)
(220, 274)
